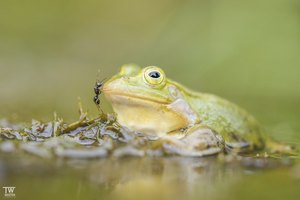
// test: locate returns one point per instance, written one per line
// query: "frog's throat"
(146, 116)
(179, 106)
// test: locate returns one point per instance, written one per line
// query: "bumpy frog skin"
(147, 102)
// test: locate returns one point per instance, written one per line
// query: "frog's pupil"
(154, 74)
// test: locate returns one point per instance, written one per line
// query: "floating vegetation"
(85, 138)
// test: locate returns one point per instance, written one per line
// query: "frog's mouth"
(113, 95)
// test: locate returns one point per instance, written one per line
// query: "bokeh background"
(246, 51)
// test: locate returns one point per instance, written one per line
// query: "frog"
(146, 102)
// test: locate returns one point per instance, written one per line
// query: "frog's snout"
(110, 86)
(106, 87)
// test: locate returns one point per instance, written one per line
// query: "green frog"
(147, 102)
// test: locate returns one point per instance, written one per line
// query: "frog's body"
(145, 101)
(237, 127)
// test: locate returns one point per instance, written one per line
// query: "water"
(148, 178)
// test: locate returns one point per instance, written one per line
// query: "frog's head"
(147, 102)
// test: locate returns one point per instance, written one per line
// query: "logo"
(9, 191)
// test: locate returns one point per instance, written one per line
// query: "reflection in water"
(133, 178)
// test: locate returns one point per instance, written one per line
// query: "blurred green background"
(245, 51)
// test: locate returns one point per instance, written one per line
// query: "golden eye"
(154, 76)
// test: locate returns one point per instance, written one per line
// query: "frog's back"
(238, 128)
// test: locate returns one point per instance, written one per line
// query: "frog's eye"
(154, 76)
